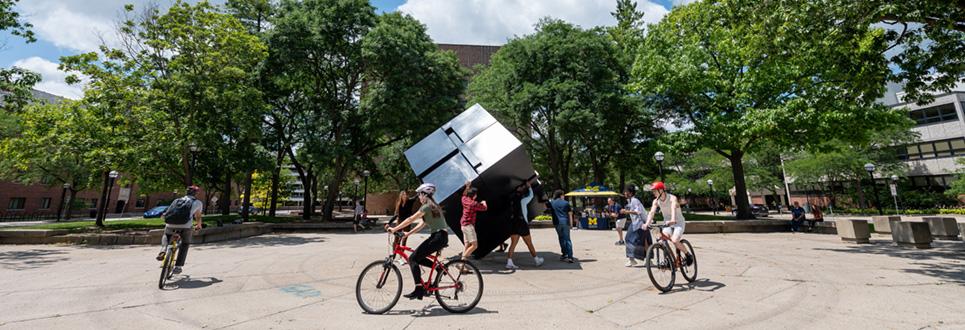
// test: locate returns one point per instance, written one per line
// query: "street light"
(659, 157)
(194, 150)
(112, 175)
(355, 194)
(688, 199)
(63, 202)
(710, 183)
(894, 192)
(871, 172)
(365, 192)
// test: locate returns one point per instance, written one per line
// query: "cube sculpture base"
(961, 228)
(852, 230)
(475, 147)
(943, 228)
(883, 223)
(911, 234)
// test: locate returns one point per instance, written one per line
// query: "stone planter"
(853, 230)
(944, 228)
(911, 234)
(883, 223)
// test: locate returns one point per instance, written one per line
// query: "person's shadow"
(187, 282)
(702, 284)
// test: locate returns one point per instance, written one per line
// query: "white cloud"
(493, 22)
(53, 79)
(682, 2)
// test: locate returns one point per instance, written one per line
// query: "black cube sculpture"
(473, 146)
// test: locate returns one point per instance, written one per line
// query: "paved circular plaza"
(285, 281)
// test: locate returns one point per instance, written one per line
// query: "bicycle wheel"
(379, 287)
(460, 286)
(167, 265)
(689, 271)
(660, 267)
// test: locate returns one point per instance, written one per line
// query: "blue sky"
(68, 27)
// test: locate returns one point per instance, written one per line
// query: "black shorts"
(519, 227)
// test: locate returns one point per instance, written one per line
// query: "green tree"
(559, 90)
(15, 83)
(957, 189)
(739, 73)
(353, 82)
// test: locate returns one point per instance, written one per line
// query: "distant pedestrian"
(358, 219)
(613, 212)
(797, 217)
(470, 206)
(519, 225)
(562, 220)
(637, 239)
(816, 216)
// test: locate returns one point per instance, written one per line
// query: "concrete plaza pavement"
(306, 281)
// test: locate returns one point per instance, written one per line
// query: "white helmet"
(426, 188)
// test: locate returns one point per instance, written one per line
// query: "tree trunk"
(740, 186)
(70, 203)
(307, 197)
(275, 177)
(226, 196)
(245, 216)
(334, 186)
(102, 208)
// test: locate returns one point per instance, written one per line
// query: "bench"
(883, 223)
(911, 234)
(853, 230)
(944, 228)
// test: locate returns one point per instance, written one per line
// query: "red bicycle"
(458, 285)
(662, 264)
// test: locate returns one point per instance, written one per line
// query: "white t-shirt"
(667, 208)
(524, 204)
(636, 206)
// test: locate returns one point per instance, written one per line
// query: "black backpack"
(179, 213)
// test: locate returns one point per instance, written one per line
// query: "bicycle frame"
(665, 240)
(403, 252)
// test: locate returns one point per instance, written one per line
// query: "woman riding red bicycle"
(431, 215)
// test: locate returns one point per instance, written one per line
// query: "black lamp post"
(689, 192)
(710, 183)
(871, 173)
(194, 150)
(63, 202)
(659, 157)
(355, 195)
(365, 192)
(107, 197)
(894, 181)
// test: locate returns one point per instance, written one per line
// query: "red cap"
(657, 186)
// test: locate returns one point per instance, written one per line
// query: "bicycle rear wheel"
(379, 287)
(660, 267)
(689, 271)
(460, 286)
(167, 265)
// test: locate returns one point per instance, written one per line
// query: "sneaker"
(630, 262)
(619, 243)
(177, 270)
(418, 293)
(510, 265)
(160, 256)
(538, 261)
(569, 260)
(562, 258)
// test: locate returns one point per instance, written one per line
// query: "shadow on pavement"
(702, 284)
(435, 310)
(30, 259)
(495, 262)
(267, 240)
(945, 257)
(187, 282)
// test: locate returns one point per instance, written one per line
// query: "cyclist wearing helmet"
(431, 215)
(177, 219)
(673, 217)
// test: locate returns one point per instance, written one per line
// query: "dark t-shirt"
(797, 213)
(615, 208)
(561, 209)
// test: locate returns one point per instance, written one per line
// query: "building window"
(139, 203)
(933, 149)
(93, 203)
(45, 203)
(935, 114)
(17, 203)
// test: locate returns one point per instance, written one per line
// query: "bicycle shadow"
(435, 310)
(186, 282)
(703, 284)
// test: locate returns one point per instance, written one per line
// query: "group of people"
(799, 217)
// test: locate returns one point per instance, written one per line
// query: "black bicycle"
(663, 261)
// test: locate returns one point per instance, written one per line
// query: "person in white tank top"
(673, 216)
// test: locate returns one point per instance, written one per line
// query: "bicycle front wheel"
(460, 286)
(689, 270)
(660, 267)
(379, 287)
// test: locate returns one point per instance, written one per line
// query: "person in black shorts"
(519, 226)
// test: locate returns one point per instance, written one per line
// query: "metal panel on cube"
(475, 147)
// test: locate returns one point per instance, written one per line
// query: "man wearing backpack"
(177, 219)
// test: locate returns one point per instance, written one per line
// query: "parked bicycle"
(170, 259)
(663, 261)
(458, 285)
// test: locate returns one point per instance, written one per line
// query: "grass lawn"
(143, 224)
